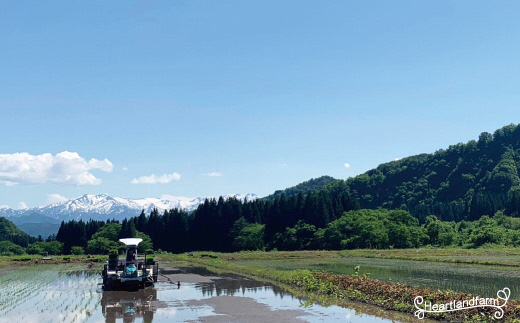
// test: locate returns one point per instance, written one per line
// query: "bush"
(77, 250)
(34, 249)
(52, 247)
(7, 248)
(102, 245)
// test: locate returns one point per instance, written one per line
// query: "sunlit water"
(59, 294)
(482, 280)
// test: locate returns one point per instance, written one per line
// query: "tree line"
(177, 231)
(214, 225)
(325, 220)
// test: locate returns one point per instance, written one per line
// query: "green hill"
(10, 232)
(36, 224)
(43, 229)
(32, 218)
(305, 187)
(464, 181)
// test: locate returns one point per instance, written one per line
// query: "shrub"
(77, 250)
(7, 248)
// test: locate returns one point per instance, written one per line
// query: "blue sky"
(265, 94)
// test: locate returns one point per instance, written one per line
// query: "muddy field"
(69, 293)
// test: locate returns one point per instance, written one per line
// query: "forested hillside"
(305, 187)
(464, 181)
(9, 232)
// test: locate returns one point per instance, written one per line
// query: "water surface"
(68, 293)
(482, 280)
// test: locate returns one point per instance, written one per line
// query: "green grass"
(501, 256)
(336, 288)
(484, 256)
(494, 256)
(30, 260)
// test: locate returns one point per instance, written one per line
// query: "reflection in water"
(129, 305)
(57, 294)
(233, 285)
(229, 284)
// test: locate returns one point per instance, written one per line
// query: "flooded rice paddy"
(482, 280)
(69, 293)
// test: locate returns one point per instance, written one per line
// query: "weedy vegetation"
(338, 288)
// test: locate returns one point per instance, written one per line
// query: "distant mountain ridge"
(103, 207)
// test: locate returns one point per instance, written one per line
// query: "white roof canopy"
(131, 241)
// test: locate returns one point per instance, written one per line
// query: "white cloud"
(22, 206)
(213, 174)
(397, 159)
(347, 165)
(55, 198)
(152, 179)
(283, 165)
(125, 168)
(63, 168)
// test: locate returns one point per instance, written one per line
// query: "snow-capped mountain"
(6, 211)
(103, 207)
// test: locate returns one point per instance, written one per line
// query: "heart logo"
(504, 294)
